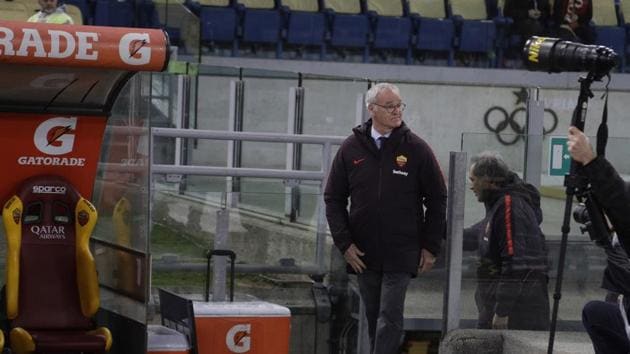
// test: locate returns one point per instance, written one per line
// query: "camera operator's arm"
(608, 187)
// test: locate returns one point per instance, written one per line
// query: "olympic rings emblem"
(510, 121)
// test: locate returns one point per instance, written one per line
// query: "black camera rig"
(555, 55)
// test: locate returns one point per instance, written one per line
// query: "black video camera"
(590, 214)
(554, 55)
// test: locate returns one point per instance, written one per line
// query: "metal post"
(180, 120)
(294, 151)
(237, 99)
(534, 141)
(288, 208)
(151, 203)
(221, 242)
(454, 240)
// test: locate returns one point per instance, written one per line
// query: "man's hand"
(427, 259)
(579, 146)
(533, 13)
(353, 257)
(499, 322)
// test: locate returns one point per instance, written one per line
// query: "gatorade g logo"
(133, 49)
(56, 136)
(238, 338)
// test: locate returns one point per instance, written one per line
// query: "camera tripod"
(575, 185)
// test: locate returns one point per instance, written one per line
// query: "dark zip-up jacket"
(610, 191)
(397, 199)
(512, 246)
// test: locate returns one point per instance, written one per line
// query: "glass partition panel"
(121, 198)
(213, 113)
(186, 226)
(326, 114)
(584, 260)
(266, 109)
(183, 28)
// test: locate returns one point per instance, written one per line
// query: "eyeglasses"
(390, 109)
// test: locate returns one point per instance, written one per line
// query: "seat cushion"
(61, 341)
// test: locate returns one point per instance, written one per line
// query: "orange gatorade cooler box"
(255, 327)
(164, 340)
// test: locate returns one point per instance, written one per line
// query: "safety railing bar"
(125, 130)
(240, 268)
(121, 167)
(237, 172)
(246, 136)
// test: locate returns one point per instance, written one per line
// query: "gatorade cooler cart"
(255, 327)
(163, 340)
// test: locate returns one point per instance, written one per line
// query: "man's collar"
(375, 134)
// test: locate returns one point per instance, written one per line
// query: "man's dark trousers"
(384, 297)
(605, 326)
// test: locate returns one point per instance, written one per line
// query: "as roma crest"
(17, 215)
(401, 161)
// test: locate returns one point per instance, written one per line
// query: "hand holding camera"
(533, 13)
(580, 146)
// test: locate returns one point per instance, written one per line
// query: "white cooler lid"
(165, 339)
(239, 309)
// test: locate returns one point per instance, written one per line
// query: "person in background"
(572, 19)
(397, 216)
(51, 12)
(512, 268)
(530, 17)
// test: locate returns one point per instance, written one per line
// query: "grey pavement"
(469, 341)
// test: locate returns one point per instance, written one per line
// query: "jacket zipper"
(380, 175)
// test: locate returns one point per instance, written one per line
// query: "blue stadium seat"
(614, 38)
(391, 28)
(306, 26)
(624, 19)
(508, 43)
(174, 16)
(349, 25)
(475, 33)
(219, 24)
(433, 32)
(609, 29)
(119, 13)
(147, 17)
(261, 23)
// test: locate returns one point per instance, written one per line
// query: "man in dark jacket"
(530, 16)
(512, 271)
(606, 322)
(397, 211)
